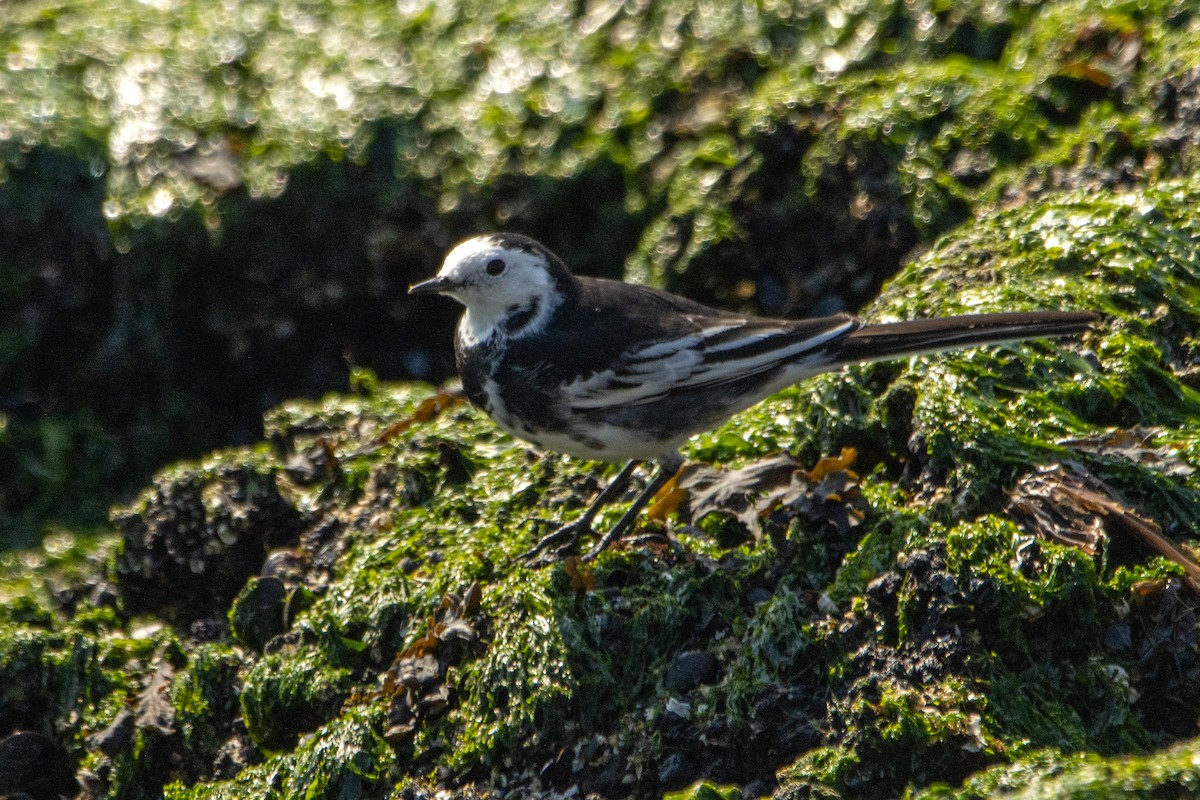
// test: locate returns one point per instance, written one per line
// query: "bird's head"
(510, 284)
(497, 272)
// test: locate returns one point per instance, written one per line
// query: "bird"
(623, 373)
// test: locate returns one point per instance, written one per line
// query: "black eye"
(496, 266)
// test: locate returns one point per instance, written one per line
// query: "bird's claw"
(558, 544)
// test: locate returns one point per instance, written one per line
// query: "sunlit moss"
(271, 87)
(347, 759)
(289, 694)
(1082, 777)
(205, 697)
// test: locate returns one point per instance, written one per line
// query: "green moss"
(514, 688)
(472, 108)
(205, 697)
(1173, 773)
(288, 694)
(70, 679)
(1046, 773)
(346, 760)
(932, 731)
(772, 646)
(62, 558)
(885, 537)
(706, 791)
(63, 678)
(1063, 581)
(257, 612)
(822, 773)
(1003, 778)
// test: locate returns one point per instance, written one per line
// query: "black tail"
(919, 336)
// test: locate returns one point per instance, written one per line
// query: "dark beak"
(433, 286)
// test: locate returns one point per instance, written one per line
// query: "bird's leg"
(568, 535)
(668, 466)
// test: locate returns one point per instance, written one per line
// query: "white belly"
(619, 444)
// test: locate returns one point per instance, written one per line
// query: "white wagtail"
(616, 372)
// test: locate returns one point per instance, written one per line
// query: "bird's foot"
(599, 547)
(558, 544)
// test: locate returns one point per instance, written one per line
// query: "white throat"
(481, 322)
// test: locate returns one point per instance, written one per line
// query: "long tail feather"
(920, 336)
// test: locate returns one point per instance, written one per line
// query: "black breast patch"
(474, 368)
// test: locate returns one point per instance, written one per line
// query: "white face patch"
(496, 283)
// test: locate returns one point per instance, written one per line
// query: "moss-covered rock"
(291, 692)
(938, 646)
(190, 542)
(340, 611)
